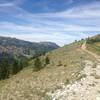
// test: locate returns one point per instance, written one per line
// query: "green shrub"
(47, 60)
(4, 69)
(37, 64)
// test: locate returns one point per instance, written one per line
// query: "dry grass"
(28, 84)
(95, 47)
(97, 76)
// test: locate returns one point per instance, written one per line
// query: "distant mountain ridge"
(25, 48)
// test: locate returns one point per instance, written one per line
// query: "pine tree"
(47, 60)
(4, 69)
(15, 68)
(37, 64)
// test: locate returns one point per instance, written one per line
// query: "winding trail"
(86, 88)
(83, 47)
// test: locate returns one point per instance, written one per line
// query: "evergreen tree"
(18, 65)
(4, 69)
(37, 64)
(15, 68)
(47, 60)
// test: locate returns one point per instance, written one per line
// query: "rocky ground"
(87, 88)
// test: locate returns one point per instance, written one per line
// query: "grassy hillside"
(65, 66)
(93, 44)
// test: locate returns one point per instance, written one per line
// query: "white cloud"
(82, 28)
(41, 29)
(6, 5)
(60, 39)
(86, 18)
(91, 10)
(60, 36)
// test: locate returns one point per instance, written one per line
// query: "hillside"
(15, 54)
(93, 44)
(65, 68)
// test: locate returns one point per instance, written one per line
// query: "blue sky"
(59, 21)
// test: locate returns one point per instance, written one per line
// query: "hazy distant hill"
(24, 48)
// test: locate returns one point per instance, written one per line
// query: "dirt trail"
(83, 47)
(86, 88)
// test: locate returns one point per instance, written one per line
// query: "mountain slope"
(93, 44)
(88, 87)
(15, 54)
(25, 48)
(66, 65)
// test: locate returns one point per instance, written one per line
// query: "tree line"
(8, 68)
(39, 64)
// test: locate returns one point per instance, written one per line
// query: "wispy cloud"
(58, 38)
(91, 10)
(49, 28)
(6, 5)
(60, 27)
